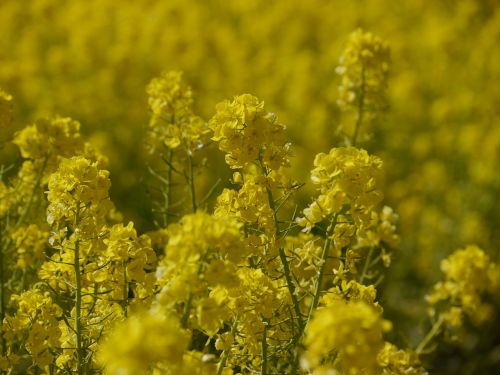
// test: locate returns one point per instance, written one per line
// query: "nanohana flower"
(364, 67)
(78, 188)
(48, 140)
(173, 123)
(344, 176)
(345, 336)
(468, 274)
(395, 361)
(141, 343)
(247, 132)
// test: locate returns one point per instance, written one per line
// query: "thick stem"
(287, 273)
(324, 257)
(191, 182)
(78, 297)
(167, 188)
(366, 267)
(435, 330)
(291, 289)
(187, 309)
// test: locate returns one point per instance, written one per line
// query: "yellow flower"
(30, 244)
(36, 323)
(395, 361)
(50, 138)
(78, 185)
(364, 67)
(244, 130)
(345, 336)
(141, 342)
(469, 274)
(345, 176)
(173, 123)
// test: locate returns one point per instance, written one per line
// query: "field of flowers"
(249, 187)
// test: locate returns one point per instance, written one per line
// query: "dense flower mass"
(364, 67)
(345, 176)
(173, 122)
(78, 191)
(468, 273)
(346, 336)
(221, 256)
(142, 341)
(246, 132)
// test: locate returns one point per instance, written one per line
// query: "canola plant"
(175, 224)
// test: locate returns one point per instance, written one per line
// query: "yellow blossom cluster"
(172, 120)
(247, 132)
(468, 273)
(395, 361)
(345, 176)
(258, 273)
(30, 242)
(36, 325)
(141, 342)
(354, 346)
(364, 67)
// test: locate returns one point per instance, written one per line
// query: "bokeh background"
(440, 138)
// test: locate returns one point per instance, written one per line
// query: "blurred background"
(440, 139)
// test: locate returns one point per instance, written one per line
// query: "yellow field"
(254, 187)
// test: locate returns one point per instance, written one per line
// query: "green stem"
(291, 289)
(167, 188)
(286, 266)
(187, 309)
(191, 182)
(361, 108)
(287, 273)
(435, 330)
(190, 178)
(78, 296)
(366, 266)
(324, 257)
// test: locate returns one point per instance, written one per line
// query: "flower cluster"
(355, 344)
(30, 242)
(35, 324)
(173, 122)
(49, 139)
(345, 176)
(364, 67)
(395, 361)
(243, 278)
(469, 273)
(247, 132)
(144, 341)
(78, 194)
